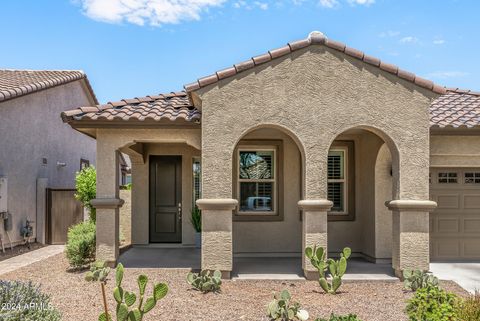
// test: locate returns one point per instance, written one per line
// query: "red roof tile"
(457, 108)
(315, 38)
(16, 83)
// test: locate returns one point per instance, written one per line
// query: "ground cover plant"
(205, 281)
(432, 303)
(334, 317)
(81, 242)
(469, 309)
(23, 301)
(335, 268)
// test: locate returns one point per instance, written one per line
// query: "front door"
(166, 199)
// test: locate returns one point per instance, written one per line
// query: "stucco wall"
(283, 236)
(337, 93)
(383, 193)
(454, 151)
(31, 129)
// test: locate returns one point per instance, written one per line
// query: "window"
(447, 178)
(197, 175)
(341, 181)
(472, 177)
(84, 163)
(256, 179)
(337, 179)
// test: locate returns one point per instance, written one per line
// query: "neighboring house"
(314, 143)
(37, 150)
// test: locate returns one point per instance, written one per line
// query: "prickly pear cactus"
(282, 308)
(328, 267)
(205, 281)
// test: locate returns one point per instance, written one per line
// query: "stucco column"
(107, 202)
(411, 244)
(217, 251)
(314, 227)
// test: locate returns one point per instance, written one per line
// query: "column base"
(311, 275)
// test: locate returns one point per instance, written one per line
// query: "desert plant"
(86, 186)
(22, 301)
(432, 303)
(196, 219)
(205, 281)
(336, 268)
(125, 299)
(469, 309)
(98, 273)
(334, 317)
(282, 308)
(418, 279)
(80, 246)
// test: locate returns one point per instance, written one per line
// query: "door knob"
(179, 211)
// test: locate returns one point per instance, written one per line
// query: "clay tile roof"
(16, 83)
(314, 38)
(173, 106)
(457, 108)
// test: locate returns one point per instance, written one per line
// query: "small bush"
(86, 185)
(205, 281)
(196, 219)
(432, 303)
(282, 308)
(334, 317)
(80, 247)
(469, 309)
(21, 301)
(417, 279)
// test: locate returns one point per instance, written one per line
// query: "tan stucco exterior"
(308, 100)
(31, 129)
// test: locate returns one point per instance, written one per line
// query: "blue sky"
(134, 48)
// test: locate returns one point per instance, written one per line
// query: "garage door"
(455, 224)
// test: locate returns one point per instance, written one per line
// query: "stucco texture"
(31, 129)
(337, 93)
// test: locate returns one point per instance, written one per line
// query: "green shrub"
(205, 281)
(196, 219)
(80, 247)
(21, 301)
(333, 317)
(282, 308)
(469, 309)
(432, 303)
(417, 279)
(86, 185)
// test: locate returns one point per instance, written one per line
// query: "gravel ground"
(239, 300)
(17, 250)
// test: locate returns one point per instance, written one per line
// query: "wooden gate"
(63, 211)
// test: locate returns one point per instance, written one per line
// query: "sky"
(134, 48)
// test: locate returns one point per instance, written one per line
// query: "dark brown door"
(165, 199)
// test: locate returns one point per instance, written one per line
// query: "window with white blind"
(257, 180)
(338, 179)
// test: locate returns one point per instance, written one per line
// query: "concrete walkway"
(25, 259)
(467, 275)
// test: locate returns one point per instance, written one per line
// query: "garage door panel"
(471, 248)
(448, 201)
(471, 201)
(455, 224)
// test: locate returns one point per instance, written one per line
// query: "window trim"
(344, 180)
(196, 159)
(349, 198)
(260, 145)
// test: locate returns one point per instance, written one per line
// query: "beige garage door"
(455, 224)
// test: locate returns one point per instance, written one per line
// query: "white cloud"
(447, 74)
(328, 3)
(261, 5)
(409, 39)
(250, 5)
(152, 12)
(438, 42)
(361, 2)
(389, 34)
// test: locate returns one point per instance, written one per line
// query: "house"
(314, 143)
(37, 150)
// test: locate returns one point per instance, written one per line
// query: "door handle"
(179, 211)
